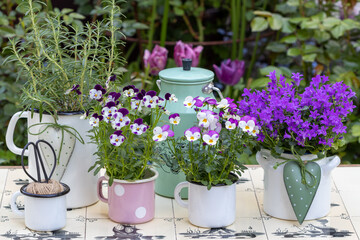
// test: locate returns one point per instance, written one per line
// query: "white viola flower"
(113, 97)
(138, 127)
(192, 134)
(109, 109)
(120, 119)
(189, 101)
(150, 99)
(174, 118)
(231, 124)
(117, 138)
(167, 112)
(247, 124)
(97, 92)
(207, 118)
(95, 119)
(255, 131)
(136, 104)
(223, 103)
(211, 137)
(173, 98)
(161, 133)
(130, 90)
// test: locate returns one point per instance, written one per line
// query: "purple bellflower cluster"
(311, 120)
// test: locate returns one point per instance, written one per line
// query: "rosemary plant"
(57, 59)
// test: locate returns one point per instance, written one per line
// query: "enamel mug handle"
(333, 163)
(158, 83)
(262, 161)
(99, 190)
(177, 194)
(13, 205)
(10, 133)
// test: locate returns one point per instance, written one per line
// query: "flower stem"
(242, 30)
(164, 23)
(152, 25)
(234, 28)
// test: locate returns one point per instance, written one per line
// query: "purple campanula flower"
(297, 77)
(174, 118)
(230, 72)
(192, 134)
(156, 60)
(117, 138)
(211, 137)
(97, 92)
(138, 127)
(183, 50)
(161, 133)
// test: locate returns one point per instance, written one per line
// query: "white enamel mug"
(42, 212)
(208, 208)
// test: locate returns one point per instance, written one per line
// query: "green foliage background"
(320, 37)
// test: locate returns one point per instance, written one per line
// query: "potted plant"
(209, 155)
(60, 64)
(125, 148)
(298, 127)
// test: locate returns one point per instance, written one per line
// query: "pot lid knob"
(186, 64)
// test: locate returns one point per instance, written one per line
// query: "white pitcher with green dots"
(181, 81)
(68, 135)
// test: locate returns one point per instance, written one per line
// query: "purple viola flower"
(130, 90)
(156, 60)
(211, 137)
(226, 103)
(95, 119)
(138, 127)
(231, 124)
(113, 97)
(161, 133)
(117, 138)
(97, 92)
(199, 101)
(230, 72)
(192, 134)
(150, 99)
(74, 88)
(167, 96)
(183, 50)
(174, 118)
(110, 79)
(108, 111)
(210, 101)
(120, 119)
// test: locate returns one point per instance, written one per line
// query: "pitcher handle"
(158, 83)
(177, 194)
(10, 133)
(333, 163)
(261, 160)
(13, 205)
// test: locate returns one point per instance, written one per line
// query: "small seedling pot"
(42, 212)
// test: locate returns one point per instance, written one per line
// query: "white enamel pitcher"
(276, 200)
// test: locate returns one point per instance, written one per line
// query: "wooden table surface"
(171, 220)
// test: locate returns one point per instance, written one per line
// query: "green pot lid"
(179, 75)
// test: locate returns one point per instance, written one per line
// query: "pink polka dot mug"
(130, 202)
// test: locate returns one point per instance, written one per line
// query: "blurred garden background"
(240, 40)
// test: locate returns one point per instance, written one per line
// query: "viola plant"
(299, 121)
(124, 137)
(209, 152)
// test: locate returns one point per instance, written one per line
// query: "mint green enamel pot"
(182, 83)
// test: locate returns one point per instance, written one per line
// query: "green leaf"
(276, 47)
(297, 20)
(355, 130)
(259, 24)
(208, 168)
(292, 52)
(286, 71)
(309, 57)
(304, 34)
(289, 39)
(3, 20)
(66, 10)
(294, 3)
(263, 13)
(259, 83)
(330, 22)
(7, 31)
(350, 24)
(287, 26)
(275, 21)
(278, 149)
(310, 4)
(68, 20)
(77, 16)
(139, 25)
(266, 70)
(312, 24)
(178, 11)
(321, 36)
(311, 49)
(338, 31)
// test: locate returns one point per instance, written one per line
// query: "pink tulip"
(183, 50)
(156, 60)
